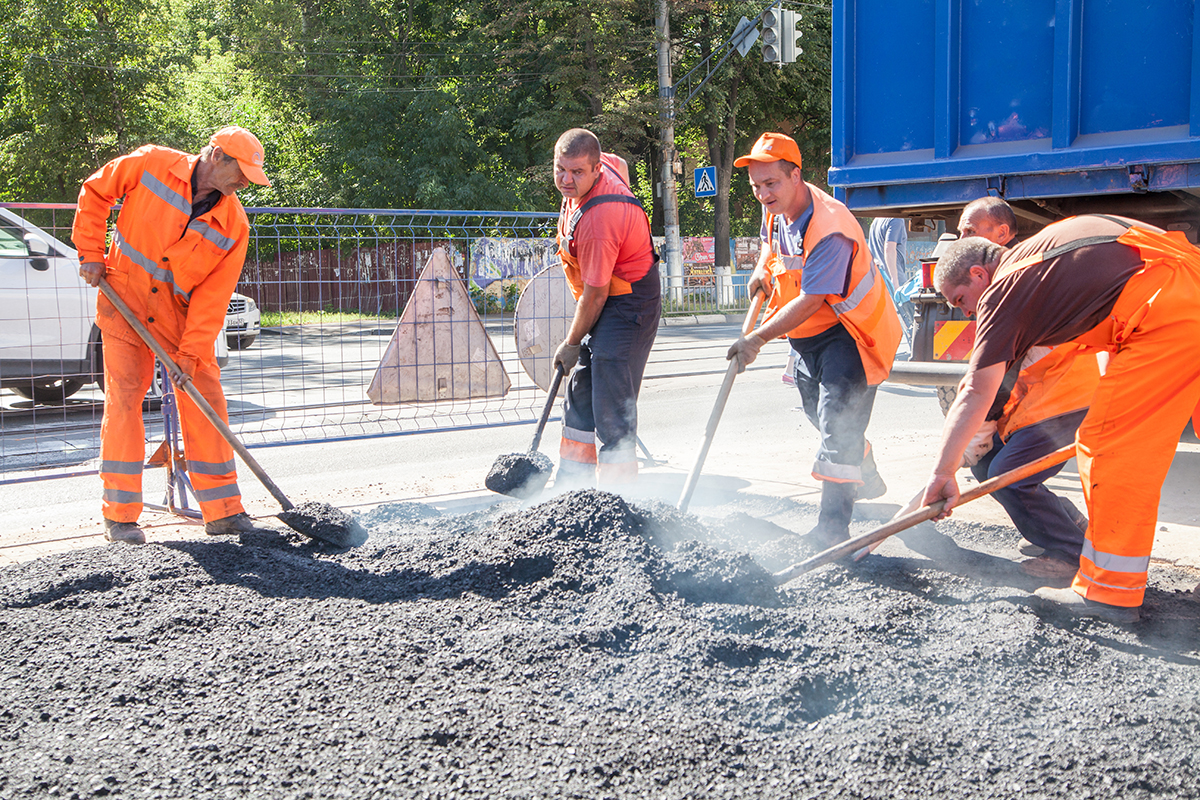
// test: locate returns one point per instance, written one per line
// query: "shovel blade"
(324, 522)
(519, 475)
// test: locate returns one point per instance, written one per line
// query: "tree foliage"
(394, 103)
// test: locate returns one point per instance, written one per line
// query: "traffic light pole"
(666, 112)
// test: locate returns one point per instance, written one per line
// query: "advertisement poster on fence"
(497, 259)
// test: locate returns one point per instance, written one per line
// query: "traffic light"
(779, 36)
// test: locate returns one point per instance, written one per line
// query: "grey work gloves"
(567, 355)
(745, 350)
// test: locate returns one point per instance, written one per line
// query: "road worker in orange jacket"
(1039, 407)
(1111, 284)
(830, 300)
(175, 258)
(609, 260)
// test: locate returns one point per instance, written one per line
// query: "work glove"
(745, 350)
(567, 355)
(92, 272)
(758, 282)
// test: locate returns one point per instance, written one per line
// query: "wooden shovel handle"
(207, 410)
(1059, 456)
(689, 485)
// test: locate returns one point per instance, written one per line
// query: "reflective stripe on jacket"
(866, 311)
(176, 276)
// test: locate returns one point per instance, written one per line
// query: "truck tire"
(49, 392)
(946, 395)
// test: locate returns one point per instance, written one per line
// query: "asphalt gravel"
(585, 647)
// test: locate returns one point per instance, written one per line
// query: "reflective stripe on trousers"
(128, 370)
(1128, 438)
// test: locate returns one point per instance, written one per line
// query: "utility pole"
(666, 97)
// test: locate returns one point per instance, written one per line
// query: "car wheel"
(49, 392)
(237, 342)
(946, 395)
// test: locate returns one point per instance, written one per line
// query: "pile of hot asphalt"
(585, 647)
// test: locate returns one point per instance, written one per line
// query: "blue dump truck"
(1060, 107)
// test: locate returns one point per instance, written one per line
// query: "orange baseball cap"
(245, 147)
(772, 147)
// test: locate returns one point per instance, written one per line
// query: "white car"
(242, 322)
(49, 342)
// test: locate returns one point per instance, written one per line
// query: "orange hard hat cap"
(772, 147)
(245, 147)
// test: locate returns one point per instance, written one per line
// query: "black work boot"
(127, 532)
(837, 506)
(872, 485)
(235, 523)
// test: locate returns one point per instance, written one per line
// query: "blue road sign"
(705, 179)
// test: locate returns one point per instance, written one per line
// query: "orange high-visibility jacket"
(866, 310)
(176, 277)
(1062, 381)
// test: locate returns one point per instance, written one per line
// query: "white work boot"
(1071, 602)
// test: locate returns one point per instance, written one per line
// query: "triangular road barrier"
(440, 349)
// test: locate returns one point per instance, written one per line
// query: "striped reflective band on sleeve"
(208, 232)
(211, 467)
(155, 271)
(1115, 563)
(218, 493)
(121, 467)
(855, 297)
(121, 496)
(165, 193)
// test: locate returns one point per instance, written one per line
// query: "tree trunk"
(722, 139)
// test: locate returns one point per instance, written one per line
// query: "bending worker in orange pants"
(831, 301)
(1113, 284)
(1038, 409)
(176, 256)
(609, 260)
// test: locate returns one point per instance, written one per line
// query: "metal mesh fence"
(347, 323)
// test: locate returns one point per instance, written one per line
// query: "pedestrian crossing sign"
(705, 179)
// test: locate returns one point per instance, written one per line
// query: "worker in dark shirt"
(1112, 284)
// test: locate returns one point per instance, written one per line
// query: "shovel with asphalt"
(315, 520)
(904, 521)
(522, 475)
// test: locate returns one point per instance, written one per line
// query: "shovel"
(314, 520)
(523, 475)
(689, 485)
(924, 513)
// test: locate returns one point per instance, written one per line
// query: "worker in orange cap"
(830, 300)
(1111, 284)
(176, 255)
(1038, 409)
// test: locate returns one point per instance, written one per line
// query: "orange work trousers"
(1128, 438)
(128, 370)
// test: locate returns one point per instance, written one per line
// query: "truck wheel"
(946, 395)
(49, 392)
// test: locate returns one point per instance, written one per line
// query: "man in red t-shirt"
(610, 263)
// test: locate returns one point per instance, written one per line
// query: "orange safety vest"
(1062, 381)
(866, 311)
(566, 235)
(177, 276)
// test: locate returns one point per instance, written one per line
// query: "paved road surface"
(764, 445)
